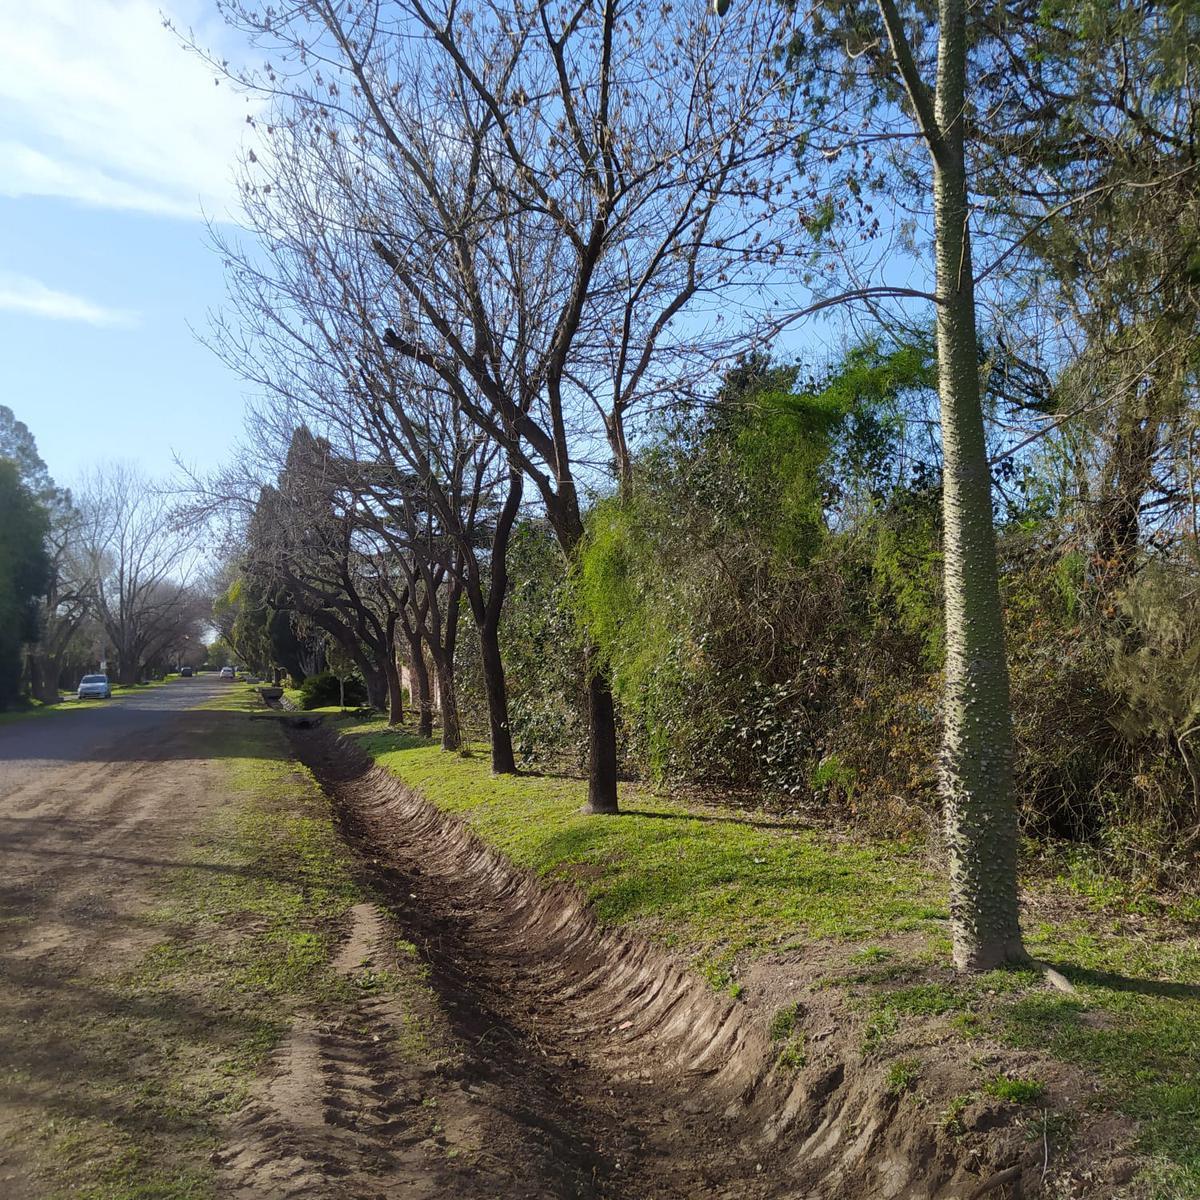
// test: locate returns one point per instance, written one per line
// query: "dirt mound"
(645, 1081)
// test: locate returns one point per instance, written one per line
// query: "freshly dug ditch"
(599, 1065)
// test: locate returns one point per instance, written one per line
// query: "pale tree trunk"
(977, 783)
(976, 762)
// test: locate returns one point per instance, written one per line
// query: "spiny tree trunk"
(976, 764)
(977, 784)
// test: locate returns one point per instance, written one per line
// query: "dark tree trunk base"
(602, 748)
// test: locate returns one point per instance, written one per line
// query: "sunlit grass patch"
(729, 888)
(719, 883)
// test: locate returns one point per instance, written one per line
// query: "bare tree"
(556, 197)
(138, 566)
(304, 545)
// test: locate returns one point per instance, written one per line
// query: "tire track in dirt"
(355, 1110)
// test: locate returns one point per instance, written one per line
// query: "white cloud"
(20, 294)
(99, 104)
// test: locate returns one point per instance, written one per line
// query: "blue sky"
(113, 142)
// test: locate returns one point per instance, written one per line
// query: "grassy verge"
(245, 929)
(731, 887)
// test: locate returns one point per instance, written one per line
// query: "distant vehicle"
(227, 673)
(185, 672)
(94, 687)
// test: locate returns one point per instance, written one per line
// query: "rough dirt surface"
(619, 1072)
(93, 806)
(524, 1052)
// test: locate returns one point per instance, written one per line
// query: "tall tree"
(138, 566)
(547, 193)
(24, 573)
(891, 55)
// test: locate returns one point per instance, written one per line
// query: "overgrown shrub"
(325, 689)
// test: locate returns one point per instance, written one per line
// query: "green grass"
(715, 882)
(730, 889)
(1015, 1091)
(902, 1076)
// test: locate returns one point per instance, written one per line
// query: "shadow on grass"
(767, 823)
(1161, 988)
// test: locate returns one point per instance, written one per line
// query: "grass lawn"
(729, 887)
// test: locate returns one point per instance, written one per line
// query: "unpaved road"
(522, 1086)
(93, 806)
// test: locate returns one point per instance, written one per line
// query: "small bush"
(321, 691)
(902, 1075)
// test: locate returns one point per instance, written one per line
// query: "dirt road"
(93, 806)
(436, 1083)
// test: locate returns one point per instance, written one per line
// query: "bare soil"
(94, 806)
(513, 1047)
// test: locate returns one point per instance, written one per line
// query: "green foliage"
(325, 690)
(543, 652)
(902, 1076)
(783, 1023)
(24, 574)
(721, 587)
(706, 880)
(794, 1055)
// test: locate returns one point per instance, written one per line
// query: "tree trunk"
(43, 678)
(420, 674)
(395, 694)
(127, 671)
(377, 691)
(602, 724)
(980, 814)
(602, 745)
(392, 670)
(451, 732)
(503, 761)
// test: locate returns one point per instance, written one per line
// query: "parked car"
(94, 687)
(227, 673)
(185, 672)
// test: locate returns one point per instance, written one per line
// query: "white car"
(94, 687)
(227, 673)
